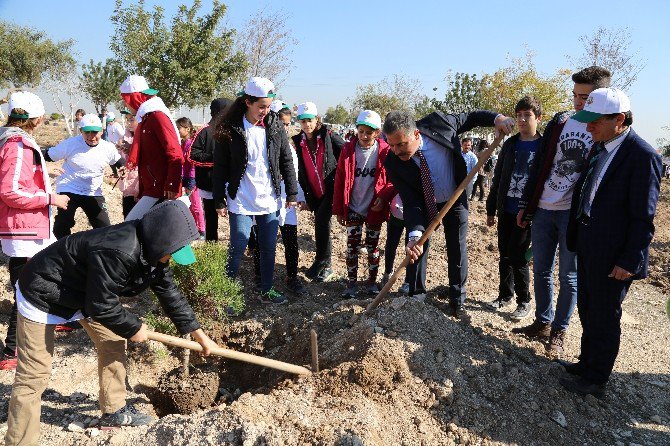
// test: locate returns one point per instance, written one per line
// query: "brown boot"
(535, 330)
(555, 346)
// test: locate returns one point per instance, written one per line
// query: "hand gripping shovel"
(483, 157)
(229, 354)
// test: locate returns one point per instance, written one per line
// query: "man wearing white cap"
(611, 227)
(86, 157)
(156, 150)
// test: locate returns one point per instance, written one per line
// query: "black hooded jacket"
(89, 270)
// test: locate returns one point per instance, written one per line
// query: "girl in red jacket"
(361, 195)
(25, 197)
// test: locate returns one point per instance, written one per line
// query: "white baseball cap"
(110, 117)
(136, 84)
(603, 101)
(259, 87)
(29, 102)
(90, 123)
(369, 118)
(277, 105)
(307, 110)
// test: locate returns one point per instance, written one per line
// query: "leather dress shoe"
(573, 368)
(581, 386)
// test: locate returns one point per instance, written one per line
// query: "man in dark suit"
(425, 167)
(611, 227)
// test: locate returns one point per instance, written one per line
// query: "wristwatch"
(414, 238)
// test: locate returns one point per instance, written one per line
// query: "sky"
(347, 43)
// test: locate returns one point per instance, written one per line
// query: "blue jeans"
(549, 229)
(240, 228)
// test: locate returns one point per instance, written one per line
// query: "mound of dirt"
(185, 395)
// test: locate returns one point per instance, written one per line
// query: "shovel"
(229, 354)
(484, 156)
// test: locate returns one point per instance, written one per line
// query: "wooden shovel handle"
(230, 354)
(484, 156)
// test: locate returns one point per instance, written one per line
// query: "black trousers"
(599, 301)
(127, 204)
(95, 209)
(513, 243)
(455, 225)
(322, 216)
(211, 220)
(479, 183)
(16, 264)
(289, 237)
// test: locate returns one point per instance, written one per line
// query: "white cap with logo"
(369, 118)
(307, 110)
(259, 87)
(136, 84)
(603, 101)
(90, 123)
(110, 117)
(28, 102)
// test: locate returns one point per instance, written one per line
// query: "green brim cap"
(586, 116)
(269, 95)
(184, 256)
(150, 91)
(372, 126)
(306, 116)
(125, 111)
(91, 128)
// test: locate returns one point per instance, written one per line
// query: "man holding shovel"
(81, 277)
(426, 167)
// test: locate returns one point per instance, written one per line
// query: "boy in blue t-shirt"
(509, 179)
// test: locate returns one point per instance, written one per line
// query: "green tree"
(101, 82)
(463, 94)
(27, 54)
(501, 90)
(338, 115)
(391, 93)
(190, 61)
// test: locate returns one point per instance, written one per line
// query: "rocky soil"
(408, 374)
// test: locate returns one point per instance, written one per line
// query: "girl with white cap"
(250, 162)
(25, 197)
(361, 196)
(318, 150)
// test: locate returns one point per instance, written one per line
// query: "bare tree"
(611, 49)
(61, 81)
(267, 42)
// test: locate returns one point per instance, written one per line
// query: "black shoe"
(581, 386)
(455, 310)
(313, 270)
(295, 285)
(573, 368)
(325, 275)
(499, 303)
(125, 416)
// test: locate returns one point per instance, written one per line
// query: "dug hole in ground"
(407, 374)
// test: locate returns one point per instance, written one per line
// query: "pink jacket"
(24, 190)
(344, 182)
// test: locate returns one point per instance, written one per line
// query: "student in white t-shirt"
(546, 200)
(252, 158)
(85, 159)
(361, 197)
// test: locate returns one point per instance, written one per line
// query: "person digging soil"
(81, 277)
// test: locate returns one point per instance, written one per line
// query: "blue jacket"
(621, 224)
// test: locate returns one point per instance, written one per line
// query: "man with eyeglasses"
(85, 158)
(546, 198)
